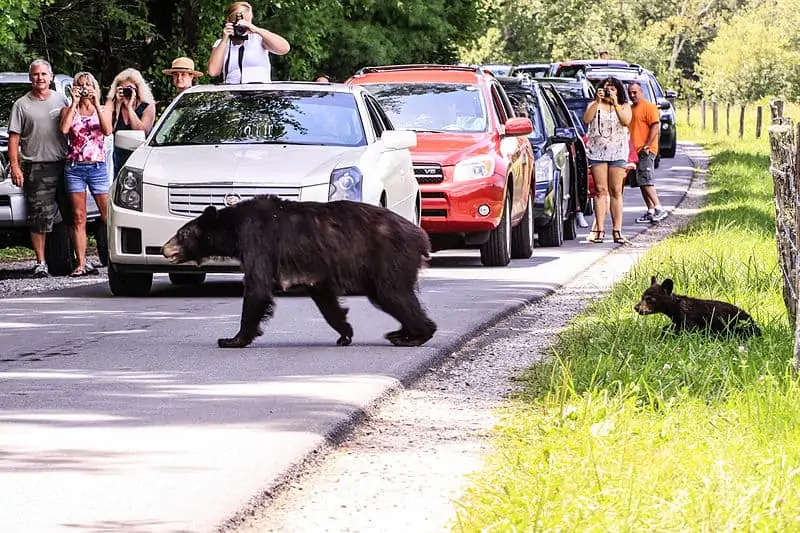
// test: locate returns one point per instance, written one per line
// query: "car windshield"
(433, 107)
(9, 93)
(307, 117)
(569, 90)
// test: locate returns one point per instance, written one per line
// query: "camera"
(84, 92)
(127, 92)
(239, 32)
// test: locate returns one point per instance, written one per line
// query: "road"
(123, 415)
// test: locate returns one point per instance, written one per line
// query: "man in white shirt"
(242, 54)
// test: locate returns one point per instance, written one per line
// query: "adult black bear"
(330, 249)
(694, 313)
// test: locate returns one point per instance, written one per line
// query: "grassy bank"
(621, 431)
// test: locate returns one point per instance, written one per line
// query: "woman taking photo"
(86, 127)
(129, 106)
(242, 54)
(607, 149)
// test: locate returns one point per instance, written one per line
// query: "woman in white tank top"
(607, 150)
(242, 54)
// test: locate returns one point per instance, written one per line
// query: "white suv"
(220, 144)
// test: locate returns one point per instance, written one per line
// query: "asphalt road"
(123, 415)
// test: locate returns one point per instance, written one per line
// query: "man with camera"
(34, 136)
(644, 128)
(242, 54)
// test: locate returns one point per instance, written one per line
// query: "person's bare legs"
(37, 241)
(78, 229)
(600, 175)
(616, 181)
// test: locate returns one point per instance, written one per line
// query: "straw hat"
(182, 64)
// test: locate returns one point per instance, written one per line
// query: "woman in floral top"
(85, 126)
(607, 150)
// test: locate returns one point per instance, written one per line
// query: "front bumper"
(452, 207)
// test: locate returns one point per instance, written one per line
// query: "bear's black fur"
(329, 249)
(689, 313)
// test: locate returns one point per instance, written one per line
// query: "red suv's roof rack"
(422, 66)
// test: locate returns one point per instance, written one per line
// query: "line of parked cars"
(479, 160)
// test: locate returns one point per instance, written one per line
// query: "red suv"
(473, 160)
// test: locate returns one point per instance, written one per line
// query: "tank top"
(251, 56)
(86, 139)
(608, 137)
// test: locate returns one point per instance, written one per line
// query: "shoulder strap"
(228, 61)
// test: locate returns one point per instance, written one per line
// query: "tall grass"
(623, 431)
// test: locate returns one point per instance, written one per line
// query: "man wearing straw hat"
(183, 73)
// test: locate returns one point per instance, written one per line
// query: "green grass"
(621, 431)
(16, 253)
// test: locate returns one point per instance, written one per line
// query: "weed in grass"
(623, 431)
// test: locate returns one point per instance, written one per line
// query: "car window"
(377, 123)
(548, 120)
(432, 106)
(9, 93)
(559, 112)
(499, 108)
(381, 113)
(526, 105)
(307, 117)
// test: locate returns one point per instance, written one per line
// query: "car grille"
(191, 199)
(428, 173)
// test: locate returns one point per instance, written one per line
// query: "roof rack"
(421, 66)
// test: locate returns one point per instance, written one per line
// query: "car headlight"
(544, 172)
(474, 168)
(665, 125)
(128, 191)
(345, 184)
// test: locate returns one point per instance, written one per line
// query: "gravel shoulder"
(16, 278)
(400, 469)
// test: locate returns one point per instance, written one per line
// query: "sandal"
(79, 272)
(599, 236)
(618, 238)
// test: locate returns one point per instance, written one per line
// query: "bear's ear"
(666, 286)
(653, 280)
(208, 217)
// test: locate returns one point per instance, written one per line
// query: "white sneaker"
(581, 220)
(659, 215)
(40, 271)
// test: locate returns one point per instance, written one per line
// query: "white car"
(220, 144)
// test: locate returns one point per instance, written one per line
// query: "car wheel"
(497, 250)
(187, 278)
(570, 228)
(133, 284)
(58, 252)
(522, 234)
(553, 233)
(101, 237)
(673, 147)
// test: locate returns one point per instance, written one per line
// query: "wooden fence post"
(741, 121)
(715, 117)
(703, 115)
(795, 243)
(759, 116)
(688, 111)
(728, 119)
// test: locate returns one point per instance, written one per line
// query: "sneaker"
(647, 218)
(40, 271)
(581, 220)
(660, 215)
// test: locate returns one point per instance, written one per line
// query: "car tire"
(58, 251)
(497, 250)
(570, 228)
(522, 234)
(100, 231)
(673, 147)
(553, 233)
(187, 278)
(132, 284)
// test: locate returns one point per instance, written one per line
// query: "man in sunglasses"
(644, 129)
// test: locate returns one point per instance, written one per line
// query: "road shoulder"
(401, 469)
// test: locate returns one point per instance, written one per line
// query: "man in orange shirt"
(644, 129)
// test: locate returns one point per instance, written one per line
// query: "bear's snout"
(642, 308)
(171, 251)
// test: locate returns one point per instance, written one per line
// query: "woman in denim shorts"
(607, 150)
(85, 126)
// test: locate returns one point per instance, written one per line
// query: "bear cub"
(694, 314)
(329, 249)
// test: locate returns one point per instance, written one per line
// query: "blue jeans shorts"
(621, 163)
(79, 174)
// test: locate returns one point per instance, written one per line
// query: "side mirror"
(670, 94)
(519, 126)
(399, 139)
(564, 135)
(664, 104)
(129, 139)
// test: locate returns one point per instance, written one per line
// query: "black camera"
(127, 92)
(84, 92)
(239, 32)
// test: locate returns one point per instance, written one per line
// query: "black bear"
(689, 313)
(328, 249)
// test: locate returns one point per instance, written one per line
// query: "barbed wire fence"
(784, 141)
